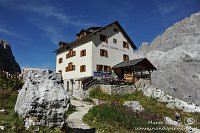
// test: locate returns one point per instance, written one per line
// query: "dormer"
(82, 33)
(62, 44)
(85, 32)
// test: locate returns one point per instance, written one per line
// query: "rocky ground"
(74, 120)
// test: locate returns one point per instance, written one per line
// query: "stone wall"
(117, 89)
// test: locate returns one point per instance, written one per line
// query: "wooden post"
(133, 78)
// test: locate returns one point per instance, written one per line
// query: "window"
(71, 53)
(99, 68)
(103, 53)
(60, 60)
(115, 30)
(82, 68)
(107, 68)
(125, 57)
(83, 53)
(125, 45)
(103, 68)
(114, 41)
(103, 38)
(70, 67)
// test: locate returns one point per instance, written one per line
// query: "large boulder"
(176, 56)
(42, 100)
(7, 60)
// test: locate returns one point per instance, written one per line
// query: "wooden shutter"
(97, 68)
(73, 67)
(85, 52)
(74, 53)
(106, 53)
(84, 68)
(81, 53)
(109, 68)
(101, 52)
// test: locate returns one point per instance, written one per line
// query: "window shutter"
(81, 53)
(85, 52)
(84, 68)
(73, 67)
(109, 68)
(97, 68)
(106, 53)
(74, 53)
(101, 52)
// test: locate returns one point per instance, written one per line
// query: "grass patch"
(106, 118)
(152, 107)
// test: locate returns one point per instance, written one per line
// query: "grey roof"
(93, 33)
(135, 62)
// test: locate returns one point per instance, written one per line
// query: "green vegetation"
(113, 117)
(13, 84)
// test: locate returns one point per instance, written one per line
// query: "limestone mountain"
(176, 55)
(7, 60)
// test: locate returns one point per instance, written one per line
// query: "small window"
(60, 60)
(114, 41)
(125, 57)
(103, 53)
(125, 45)
(103, 38)
(99, 68)
(107, 68)
(83, 53)
(115, 30)
(82, 68)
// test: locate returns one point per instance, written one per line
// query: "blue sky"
(34, 27)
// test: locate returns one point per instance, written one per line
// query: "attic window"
(103, 38)
(115, 30)
(114, 41)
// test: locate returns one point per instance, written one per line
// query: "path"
(74, 120)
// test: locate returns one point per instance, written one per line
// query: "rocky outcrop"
(176, 56)
(7, 60)
(150, 91)
(42, 100)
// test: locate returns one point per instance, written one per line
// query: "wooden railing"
(7, 75)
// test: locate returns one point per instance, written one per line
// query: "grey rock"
(176, 56)
(7, 60)
(42, 100)
(134, 105)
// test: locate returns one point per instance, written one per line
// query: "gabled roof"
(96, 31)
(143, 62)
